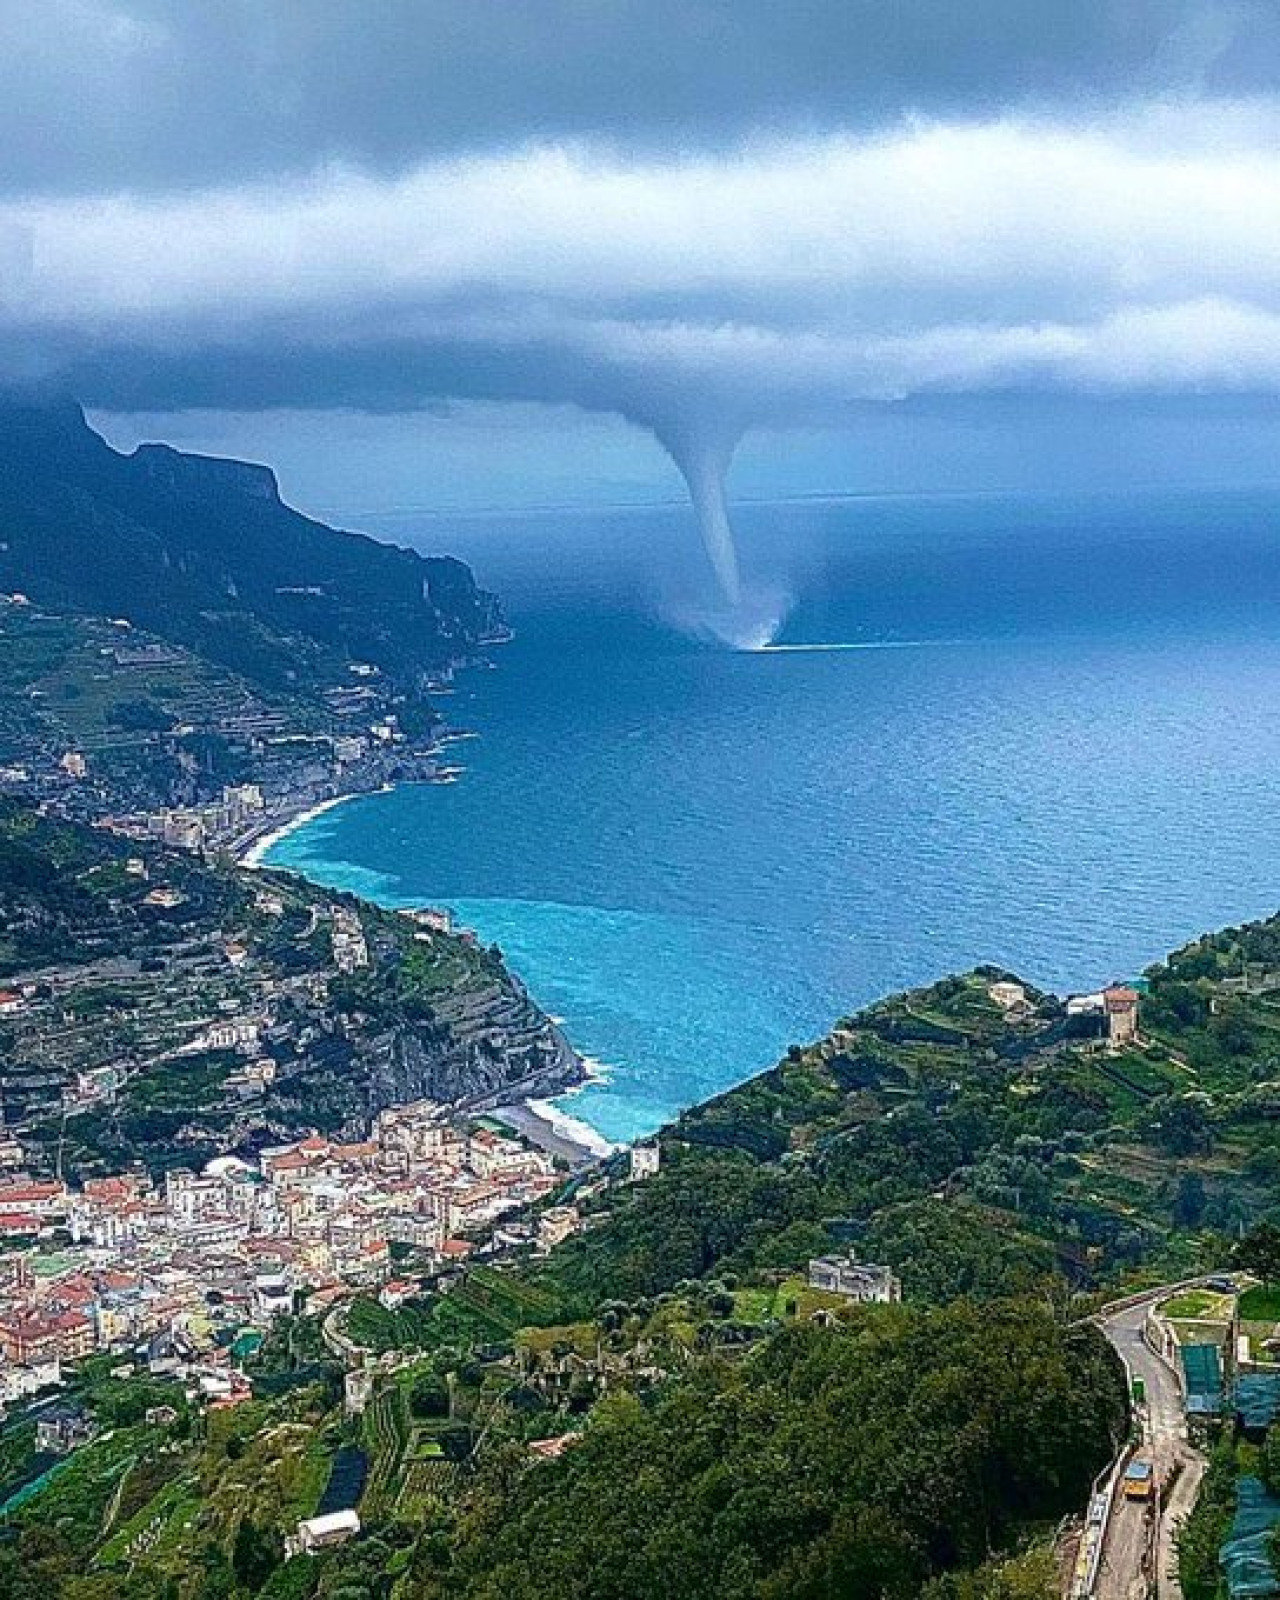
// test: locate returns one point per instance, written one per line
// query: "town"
(117, 727)
(195, 1262)
(161, 1008)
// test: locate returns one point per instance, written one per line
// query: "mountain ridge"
(203, 550)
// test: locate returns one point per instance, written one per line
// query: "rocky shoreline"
(523, 1102)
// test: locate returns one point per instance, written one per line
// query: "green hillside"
(203, 553)
(664, 1405)
(108, 1059)
(973, 1152)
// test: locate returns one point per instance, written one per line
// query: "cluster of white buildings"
(194, 827)
(350, 950)
(235, 1245)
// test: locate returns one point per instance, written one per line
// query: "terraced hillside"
(975, 1149)
(155, 723)
(204, 553)
(163, 1008)
(666, 1403)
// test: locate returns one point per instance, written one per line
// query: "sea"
(1042, 732)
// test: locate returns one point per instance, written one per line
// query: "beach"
(540, 1121)
(254, 856)
(545, 1125)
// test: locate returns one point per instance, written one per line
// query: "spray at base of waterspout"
(752, 625)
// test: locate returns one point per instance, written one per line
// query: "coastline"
(252, 856)
(558, 1130)
(541, 1121)
(544, 1124)
(572, 1129)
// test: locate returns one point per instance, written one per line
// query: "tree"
(1201, 1536)
(455, 1441)
(429, 1396)
(255, 1555)
(747, 1477)
(1028, 1577)
(139, 716)
(1269, 1461)
(1259, 1252)
(216, 1580)
(1182, 1125)
(1189, 1202)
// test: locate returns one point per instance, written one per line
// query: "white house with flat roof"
(319, 1533)
(855, 1280)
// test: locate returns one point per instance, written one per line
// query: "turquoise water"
(1060, 753)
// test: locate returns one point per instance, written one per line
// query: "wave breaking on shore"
(255, 856)
(570, 1128)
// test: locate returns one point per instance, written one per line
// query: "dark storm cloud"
(703, 215)
(667, 208)
(780, 282)
(109, 94)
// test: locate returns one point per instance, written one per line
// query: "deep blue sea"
(1057, 747)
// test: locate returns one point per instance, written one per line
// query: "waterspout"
(703, 458)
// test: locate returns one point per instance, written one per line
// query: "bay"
(1055, 747)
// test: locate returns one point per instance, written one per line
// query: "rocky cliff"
(205, 553)
(167, 1033)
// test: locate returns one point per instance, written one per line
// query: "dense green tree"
(1259, 1252)
(859, 1460)
(1201, 1536)
(1182, 1124)
(429, 1396)
(255, 1554)
(1189, 1201)
(1032, 1576)
(139, 716)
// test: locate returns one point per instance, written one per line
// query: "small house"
(60, 1429)
(320, 1533)
(854, 1280)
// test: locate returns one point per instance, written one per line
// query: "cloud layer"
(701, 215)
(97, 95)
(780, 282)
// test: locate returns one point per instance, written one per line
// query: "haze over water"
(1066, 764)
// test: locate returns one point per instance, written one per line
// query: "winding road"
(1139, 1552)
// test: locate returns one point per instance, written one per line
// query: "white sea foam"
(572, 1128)
(859, 644)
(256, 854)
(750, 624)
(597, 1071)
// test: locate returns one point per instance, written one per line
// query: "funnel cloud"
(703, 456)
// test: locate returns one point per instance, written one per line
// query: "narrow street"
(1127, 1571)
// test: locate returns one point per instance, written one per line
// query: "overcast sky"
(434, 252)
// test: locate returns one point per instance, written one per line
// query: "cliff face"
(473, 1066)
(203, 476)
(136, 994)
(204, 552)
